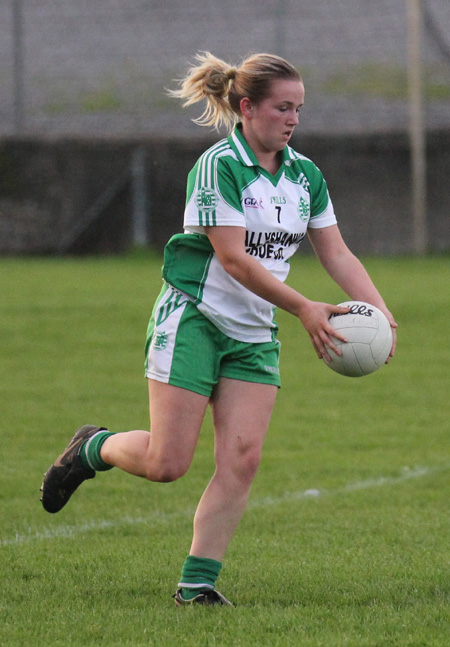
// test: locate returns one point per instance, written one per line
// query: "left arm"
(348, 271)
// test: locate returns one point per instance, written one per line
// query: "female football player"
(251, 199)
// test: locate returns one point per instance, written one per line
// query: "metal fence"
(100, 68)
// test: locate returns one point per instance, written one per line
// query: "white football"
(369, 340)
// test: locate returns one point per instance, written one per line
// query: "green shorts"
(185, 349)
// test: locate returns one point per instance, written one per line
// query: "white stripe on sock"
(86, 447)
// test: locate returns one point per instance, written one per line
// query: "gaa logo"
(303, 210)
(206, 200)
(254, 203)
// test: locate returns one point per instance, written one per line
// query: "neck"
(271, 162)
(267, 159)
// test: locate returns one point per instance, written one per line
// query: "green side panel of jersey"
(318, 189)
(187, 258)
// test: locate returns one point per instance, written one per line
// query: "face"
(268, 125)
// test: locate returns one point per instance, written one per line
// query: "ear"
(246, 107)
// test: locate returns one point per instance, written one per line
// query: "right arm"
(229, 246)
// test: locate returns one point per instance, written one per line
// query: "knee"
(250, 464)
(165, 471)
(245, 465)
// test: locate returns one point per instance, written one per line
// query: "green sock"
(198, 574)
(90, 452)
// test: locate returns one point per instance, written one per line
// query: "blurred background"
(87, 128)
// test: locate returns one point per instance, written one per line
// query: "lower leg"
(241, 412)
(128, 451)
(218, 514)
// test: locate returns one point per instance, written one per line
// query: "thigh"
(176, 417)
(241, 411)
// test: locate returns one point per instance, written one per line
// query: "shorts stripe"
(173, 301)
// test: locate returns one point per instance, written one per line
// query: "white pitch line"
(381, 481)
(156, 517)
(66, 530)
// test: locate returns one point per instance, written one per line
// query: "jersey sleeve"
(213, 195)
(322, 211)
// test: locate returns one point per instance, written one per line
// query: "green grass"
(364, 563)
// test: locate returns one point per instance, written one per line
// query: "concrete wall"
(77, 196)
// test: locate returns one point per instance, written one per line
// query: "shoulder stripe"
(206, 179)
(205, 174)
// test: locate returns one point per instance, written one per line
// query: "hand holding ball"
(369, 339)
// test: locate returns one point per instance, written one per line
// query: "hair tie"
(231, 74)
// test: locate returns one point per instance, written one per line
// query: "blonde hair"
(223, 86)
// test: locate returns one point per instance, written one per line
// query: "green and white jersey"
(227, 187)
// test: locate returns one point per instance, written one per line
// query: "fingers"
(394, 343)
(342, 310)
(322, 334)
(324, 342)
(329, 333)
(336, 310)
(394, 327)
(322, 350)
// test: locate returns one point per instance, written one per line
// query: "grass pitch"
(345, 542)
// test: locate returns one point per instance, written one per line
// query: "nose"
(293, 117)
